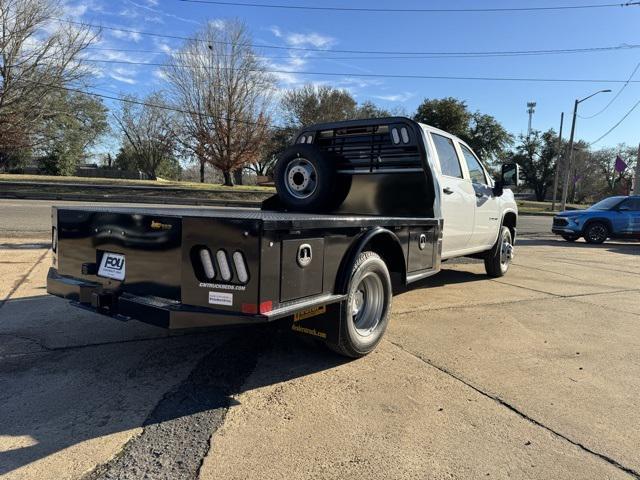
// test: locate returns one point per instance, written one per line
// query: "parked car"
(613, 217)
(362, 206)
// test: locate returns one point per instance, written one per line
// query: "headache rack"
(370, 146)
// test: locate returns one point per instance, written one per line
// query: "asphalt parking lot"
(535, 375)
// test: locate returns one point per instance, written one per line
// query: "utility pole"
(567, 167)
(558, 157)
(636, 181)
(531, 109)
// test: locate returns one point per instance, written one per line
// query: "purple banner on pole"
(620, 165)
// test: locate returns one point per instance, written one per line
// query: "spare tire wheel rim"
(301, 178)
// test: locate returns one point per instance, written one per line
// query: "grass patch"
(133, 183)
(531, 207)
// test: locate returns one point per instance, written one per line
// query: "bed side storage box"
(302, 265)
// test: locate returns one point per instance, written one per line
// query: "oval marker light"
(405, 134)
(395, 136)
(207, 264)
(223, 263)
(241, 268)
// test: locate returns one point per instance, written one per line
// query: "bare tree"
(222, 86)
(38, 56)
(148, 130)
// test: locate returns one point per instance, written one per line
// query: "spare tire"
(305, 178)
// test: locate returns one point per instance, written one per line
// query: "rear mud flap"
(322, 323)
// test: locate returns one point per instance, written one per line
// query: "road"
(534, 375)
(32, 218)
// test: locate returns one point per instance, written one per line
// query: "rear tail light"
(207, 264)
(241, 267)
(223, 264)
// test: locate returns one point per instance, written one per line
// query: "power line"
(617, 124)
(364, 52)
(616, 95)
(383, 75)
(406, 56)
(152, 105)
(414, 10)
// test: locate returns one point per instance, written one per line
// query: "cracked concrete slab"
(388, 415)
(570, 365)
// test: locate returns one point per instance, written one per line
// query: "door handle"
(447, 190)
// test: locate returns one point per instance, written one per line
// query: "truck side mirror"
(510, 175)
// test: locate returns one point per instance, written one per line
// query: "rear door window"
(449, 161)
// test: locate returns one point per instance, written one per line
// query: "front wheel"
(596, 233)
(366, 316)
(498, 259)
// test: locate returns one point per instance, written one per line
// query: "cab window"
(476, 172)
(449, 162)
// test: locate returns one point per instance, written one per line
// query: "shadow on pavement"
(177, 386)
(616, 246)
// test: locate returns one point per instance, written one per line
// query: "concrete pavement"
(535, 375)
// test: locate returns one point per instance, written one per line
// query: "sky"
(398, 31)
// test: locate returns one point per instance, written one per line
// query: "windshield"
(606, 204)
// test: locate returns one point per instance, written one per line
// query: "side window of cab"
(476, 170)
(449, 161)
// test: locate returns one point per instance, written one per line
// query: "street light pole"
(567, 170)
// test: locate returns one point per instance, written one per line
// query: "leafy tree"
(368, 109)
(317, 104)
(37, 60)
(75, 123)
(482, 132)
(535, 154)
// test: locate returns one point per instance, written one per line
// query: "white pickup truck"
(362, 206)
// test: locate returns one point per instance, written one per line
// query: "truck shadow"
(56, 399)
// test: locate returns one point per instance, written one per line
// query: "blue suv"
(613, 217)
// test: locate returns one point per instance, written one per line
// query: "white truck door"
(487, 218)
(457, 197)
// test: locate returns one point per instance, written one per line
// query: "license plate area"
(112, 265)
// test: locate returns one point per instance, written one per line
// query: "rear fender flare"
(359, 245)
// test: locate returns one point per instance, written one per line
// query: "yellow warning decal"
(309, 312)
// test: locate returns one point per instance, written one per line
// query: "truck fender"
(387, 245)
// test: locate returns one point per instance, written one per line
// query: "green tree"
(75, 123)
(484, 134)
(535, 153)
(317, 104)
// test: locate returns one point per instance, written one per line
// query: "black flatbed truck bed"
(162, 283)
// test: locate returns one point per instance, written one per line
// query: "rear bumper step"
(154, 310)
(164, 312)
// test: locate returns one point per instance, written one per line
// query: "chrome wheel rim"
(597, 233)
(367, 304)
(506, 250)
(301, 178)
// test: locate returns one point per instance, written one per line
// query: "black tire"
(596, 232)
(305, 179)
(570, 238)
(498, 259)
(366, 315)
